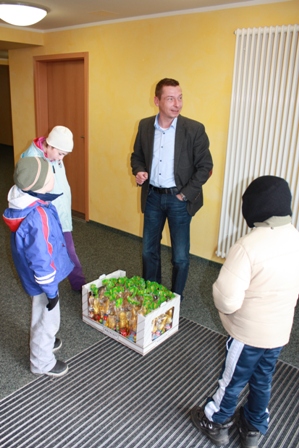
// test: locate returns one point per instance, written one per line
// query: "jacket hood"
(19, 205)
(18, 199)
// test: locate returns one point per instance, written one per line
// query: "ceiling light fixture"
(21, 14)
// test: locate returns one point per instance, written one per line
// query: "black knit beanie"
(265, 197)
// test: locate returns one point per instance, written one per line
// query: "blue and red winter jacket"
(38, 247)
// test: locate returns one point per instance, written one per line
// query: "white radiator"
(264, 122)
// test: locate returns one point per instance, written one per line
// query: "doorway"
(61, 93)
(6, 137)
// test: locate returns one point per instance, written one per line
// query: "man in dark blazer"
(171, 161)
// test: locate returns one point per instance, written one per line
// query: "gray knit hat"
(30, 173)
(265, 197)
(61, 138)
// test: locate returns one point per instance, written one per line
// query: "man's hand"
(141, 177)
(181, 197)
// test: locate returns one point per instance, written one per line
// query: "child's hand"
(52, 302)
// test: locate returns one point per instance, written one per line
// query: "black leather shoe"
(249, 434)
(216, 432)
(60, 369)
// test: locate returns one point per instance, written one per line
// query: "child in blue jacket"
(40, 256)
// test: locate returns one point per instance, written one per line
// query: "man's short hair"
(165, 82)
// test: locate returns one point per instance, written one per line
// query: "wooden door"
(60, 86)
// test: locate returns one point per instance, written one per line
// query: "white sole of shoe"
(57, 375)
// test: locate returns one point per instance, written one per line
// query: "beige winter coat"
(258, 285)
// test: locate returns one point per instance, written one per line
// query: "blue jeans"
(158, 208)
(243, 365)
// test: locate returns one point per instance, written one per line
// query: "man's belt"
(172, 190)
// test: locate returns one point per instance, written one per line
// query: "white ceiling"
(66, 13)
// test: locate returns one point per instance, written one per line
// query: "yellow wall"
(125, 61)
(13, 37)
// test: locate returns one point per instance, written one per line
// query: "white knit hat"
(61, 138)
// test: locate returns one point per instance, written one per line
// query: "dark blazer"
(192, 159)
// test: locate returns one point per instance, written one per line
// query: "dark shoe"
(57, 344)
(60, 369)
(216, 432)
(249, 434)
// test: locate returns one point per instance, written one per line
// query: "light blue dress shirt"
(162, 172)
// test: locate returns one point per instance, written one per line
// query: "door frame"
(41, 103)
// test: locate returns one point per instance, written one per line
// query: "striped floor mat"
(113, 397)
